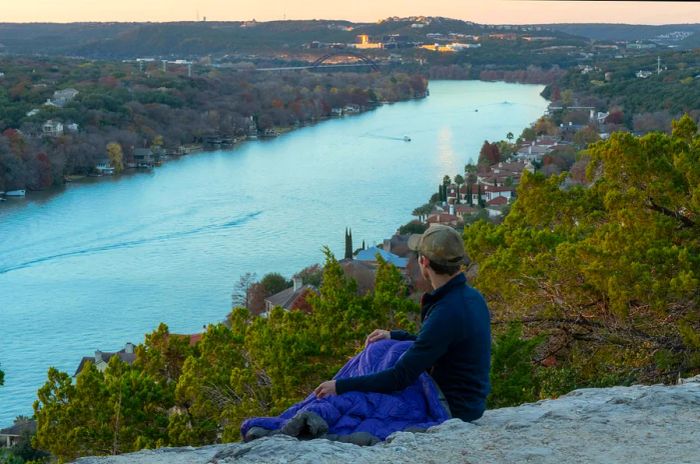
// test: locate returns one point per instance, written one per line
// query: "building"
(369, 256)
(62, 97)
(101, 358)
(364, 43)
(10, 436)
(104, 167)
(294, 297)
(52, 128)
(143, 157)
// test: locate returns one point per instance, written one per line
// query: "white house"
(52, 128)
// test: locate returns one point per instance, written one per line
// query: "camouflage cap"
(441, 244)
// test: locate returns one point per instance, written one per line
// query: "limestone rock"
(638, 424)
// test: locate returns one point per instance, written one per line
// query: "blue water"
(103, 262)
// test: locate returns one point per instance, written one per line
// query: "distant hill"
(628, 32)
(129, 40)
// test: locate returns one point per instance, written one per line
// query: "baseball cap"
(440, 243)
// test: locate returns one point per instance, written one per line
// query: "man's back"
(462, 373)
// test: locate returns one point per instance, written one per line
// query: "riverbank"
(107, 261)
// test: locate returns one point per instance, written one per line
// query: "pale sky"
(487, 12)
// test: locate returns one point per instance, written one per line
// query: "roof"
(193, 338)
(370, 255)
(128, 358)
(19, 427)
(491, 188)
(464, 209)
(443, 218)
(287, 297)
(497, 201)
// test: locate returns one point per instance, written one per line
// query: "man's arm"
(402, 335)
(431, 343)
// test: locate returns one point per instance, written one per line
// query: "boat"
(15, 193)
(406, 138)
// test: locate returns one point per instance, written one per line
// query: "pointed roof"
(370, 255)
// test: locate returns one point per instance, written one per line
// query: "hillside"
(624, 32)
(130, 40)
(640, 424)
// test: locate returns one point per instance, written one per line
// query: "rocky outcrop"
(638, 424)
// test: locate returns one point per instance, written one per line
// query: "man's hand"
(326, 389)
(377, 335)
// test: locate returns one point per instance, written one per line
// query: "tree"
(240, 295)
(348, 244)
(446, 180)
(510, 136)
(608, 274)
(489, 154)
(163, 354)
(311, 275)
(274, 282)
(116, 157)
(422, 211)
(528, 134)
(586, 136)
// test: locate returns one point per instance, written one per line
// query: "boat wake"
(136, 242)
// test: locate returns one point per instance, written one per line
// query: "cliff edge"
(639, 424)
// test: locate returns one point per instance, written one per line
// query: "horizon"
(362, 11)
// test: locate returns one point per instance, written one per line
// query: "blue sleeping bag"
(362, 418)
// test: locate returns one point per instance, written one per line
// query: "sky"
(485, 12)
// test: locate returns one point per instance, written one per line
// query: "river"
(103, 262)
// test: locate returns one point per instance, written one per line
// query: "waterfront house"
(101, 358)
(104, 167)
(143, 157)
(294, 297)
(10, 436)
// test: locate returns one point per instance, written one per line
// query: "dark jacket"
(453, 344)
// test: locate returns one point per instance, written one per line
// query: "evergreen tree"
(348, 243)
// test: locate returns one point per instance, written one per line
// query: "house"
(104, 167)
(351, 108)
(62, 97)
(445, 219)
(72, 127)
(294, 297)
(33, 112)
(489, 192)
(143, 157)
(10, 436)
(533, 151)
(495, 211)
(498, 201)
(462, 210)
(643, 74)
(101, 359)
(193, 338)
(362, 272)
(369, 256)
(52, 128)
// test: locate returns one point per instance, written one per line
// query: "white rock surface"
(628, 425)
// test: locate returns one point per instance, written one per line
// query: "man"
(454, 342)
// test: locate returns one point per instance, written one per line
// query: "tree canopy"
(609, 272)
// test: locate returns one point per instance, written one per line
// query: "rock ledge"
(638, 424)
